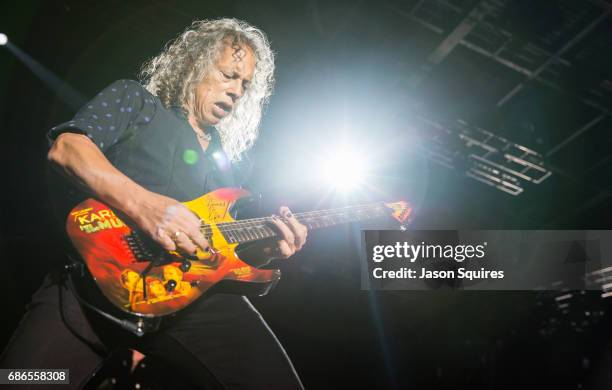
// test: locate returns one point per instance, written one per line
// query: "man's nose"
(235, 91)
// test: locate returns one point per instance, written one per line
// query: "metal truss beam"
(576, 134)
(461, 31)
(574, 40)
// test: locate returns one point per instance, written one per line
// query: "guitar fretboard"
(249, 230)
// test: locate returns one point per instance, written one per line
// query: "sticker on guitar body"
(217, 209)
(242, 272)
(156, 287)
(91, 222)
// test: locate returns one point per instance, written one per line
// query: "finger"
(298, 229)
(164, 240)
(301, 237)
(286, 213)
(190, 224)
(197, 237)
(299, 232)
(183, 243)
(201, 241)
(285, 249)
(284, 230)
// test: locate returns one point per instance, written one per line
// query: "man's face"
(217, 94)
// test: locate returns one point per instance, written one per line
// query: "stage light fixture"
(3, 39)
(344, 170)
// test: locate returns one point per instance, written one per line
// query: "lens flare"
(344, 169)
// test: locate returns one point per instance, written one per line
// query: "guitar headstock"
(400, 210)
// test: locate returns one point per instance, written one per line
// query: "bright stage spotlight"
(344, 170)
(3, 39)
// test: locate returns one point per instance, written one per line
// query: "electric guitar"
(139, 277)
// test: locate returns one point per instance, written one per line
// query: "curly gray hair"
(174, 74)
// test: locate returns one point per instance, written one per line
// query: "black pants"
(223, 342)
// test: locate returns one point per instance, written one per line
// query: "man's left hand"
(292, 234)
(291, 237)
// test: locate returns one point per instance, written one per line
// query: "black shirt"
(154, 146)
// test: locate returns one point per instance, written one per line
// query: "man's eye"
(226, 75)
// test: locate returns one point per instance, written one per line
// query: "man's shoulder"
(127, 85)
(131, 93)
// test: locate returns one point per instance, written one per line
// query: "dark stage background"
(536, 73)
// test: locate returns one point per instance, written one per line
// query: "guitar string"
(257, 223)
(308, 214)
(241, 226)
(305, 215)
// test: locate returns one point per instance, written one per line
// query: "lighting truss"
(481, 155)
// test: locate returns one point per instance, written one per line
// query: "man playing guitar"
(143, 149)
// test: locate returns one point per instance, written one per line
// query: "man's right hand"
(167, 221)
(170, 223)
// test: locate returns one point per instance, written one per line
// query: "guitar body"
(141, 278)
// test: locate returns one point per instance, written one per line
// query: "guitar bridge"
(138, 248)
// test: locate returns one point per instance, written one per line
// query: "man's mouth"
(222, 109)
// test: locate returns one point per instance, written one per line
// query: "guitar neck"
(249, 230)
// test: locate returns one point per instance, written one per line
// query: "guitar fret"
(263, 232)
(244, 235)
(246, 230)
(257, 229)
(238, 234)
(253, 231)
(269, 231)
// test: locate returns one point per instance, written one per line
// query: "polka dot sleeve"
(111, 115)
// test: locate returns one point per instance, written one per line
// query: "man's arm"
(159, 216)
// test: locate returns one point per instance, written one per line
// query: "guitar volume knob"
(170, 285)
(185, 266)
